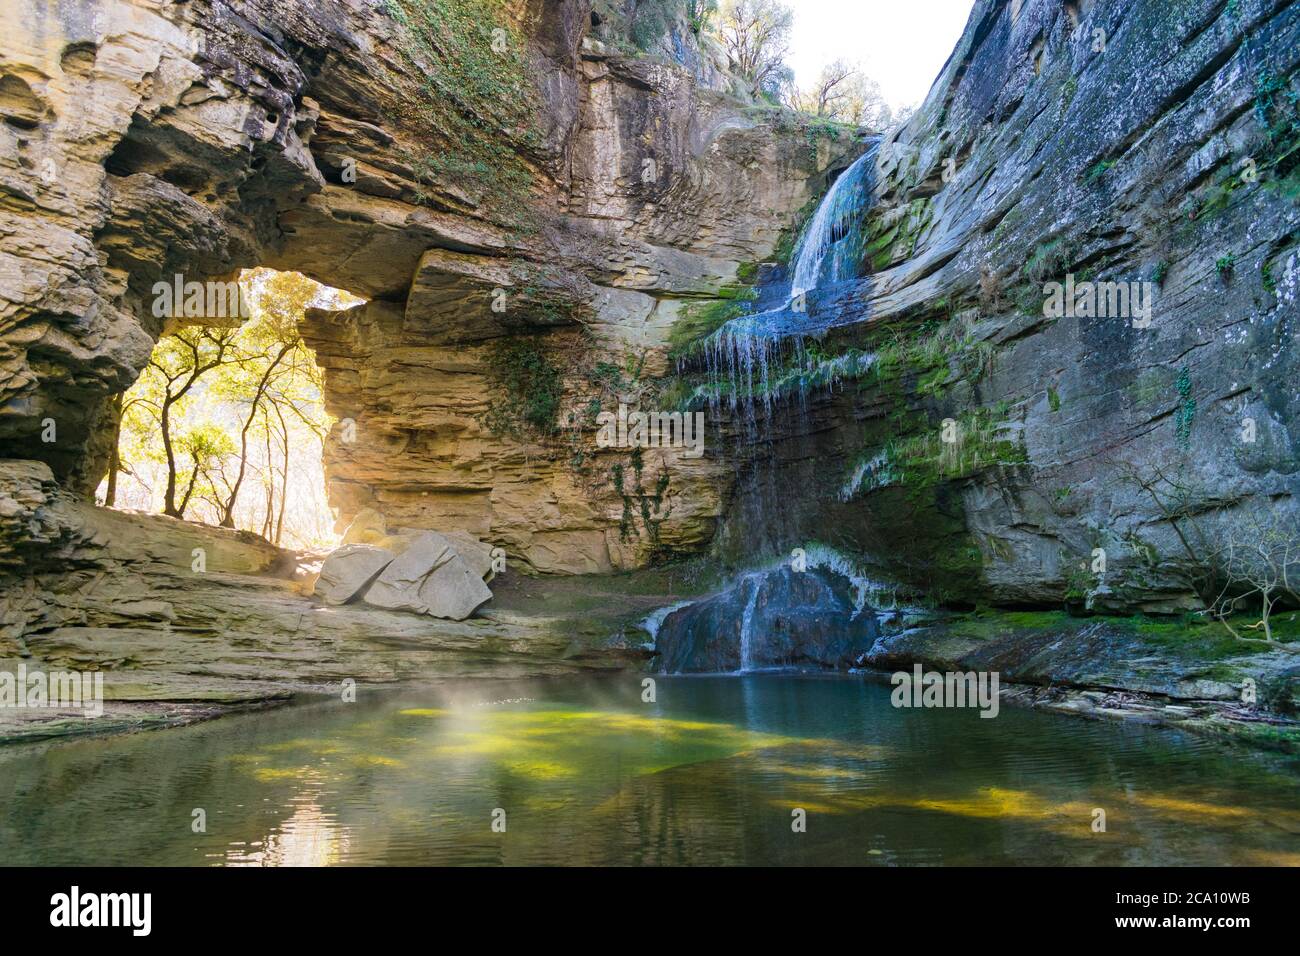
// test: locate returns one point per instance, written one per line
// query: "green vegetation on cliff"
(638, 501)
(528, 389)
(955, 448)
(476, 103)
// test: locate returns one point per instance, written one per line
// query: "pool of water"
(585, 772)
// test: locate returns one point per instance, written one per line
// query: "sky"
(901, 44)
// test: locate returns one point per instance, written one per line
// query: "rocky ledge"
(1171, 671)
(187, 621)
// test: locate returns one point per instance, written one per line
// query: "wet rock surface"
(1166, 672)
(780, 618)
(1053, 649)
(1156, 156)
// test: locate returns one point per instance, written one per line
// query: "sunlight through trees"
(225, 425)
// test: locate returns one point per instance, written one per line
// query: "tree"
(1180, 501)
(863, 104)
(829, 95)
(700, 13)
(1257, 560)
(265, 362)
(115, 455)
(844, 93)
(174, 369)
(1241, 560)
(756, 37)
(208, 447)
(903, 114)
(242, 408)
(251, 380)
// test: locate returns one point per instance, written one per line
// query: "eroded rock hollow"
(527, 179)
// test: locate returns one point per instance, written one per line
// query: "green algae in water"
(587, 773)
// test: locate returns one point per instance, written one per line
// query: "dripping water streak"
(747, 626)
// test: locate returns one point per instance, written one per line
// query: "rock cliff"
(998, 450)
(546, 226)
(476, 170)
(484, 174)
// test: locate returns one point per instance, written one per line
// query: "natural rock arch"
(202, 138)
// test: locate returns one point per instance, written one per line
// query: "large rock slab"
(781, 618)
(369, 527)
(430, 577)
(349, 571)
(477, 554)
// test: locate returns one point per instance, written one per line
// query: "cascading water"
(756, 360)
(742, 356)
(835, 230)
(747, 626)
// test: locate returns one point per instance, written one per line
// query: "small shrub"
(991, 290)
(529, 389)
(1099, 170)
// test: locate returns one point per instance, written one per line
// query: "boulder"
(477, 554)
(430, 577)
(780, 618)
(349, 571)
(370, 527)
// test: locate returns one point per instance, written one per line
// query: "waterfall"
(754, 361)
(741, 357)
(655, 619)
(747, 625)
(835, 230)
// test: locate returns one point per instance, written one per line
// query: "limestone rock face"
(349, 571)
(142, 142)
(1107, 141)
(1110, 140)
(430, 577)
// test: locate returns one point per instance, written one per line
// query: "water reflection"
(310, 836)
(588, 773)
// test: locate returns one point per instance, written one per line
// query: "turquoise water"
(585, 772)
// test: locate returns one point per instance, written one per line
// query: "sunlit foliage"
(225, 425)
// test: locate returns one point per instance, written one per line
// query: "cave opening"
(227, 422)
